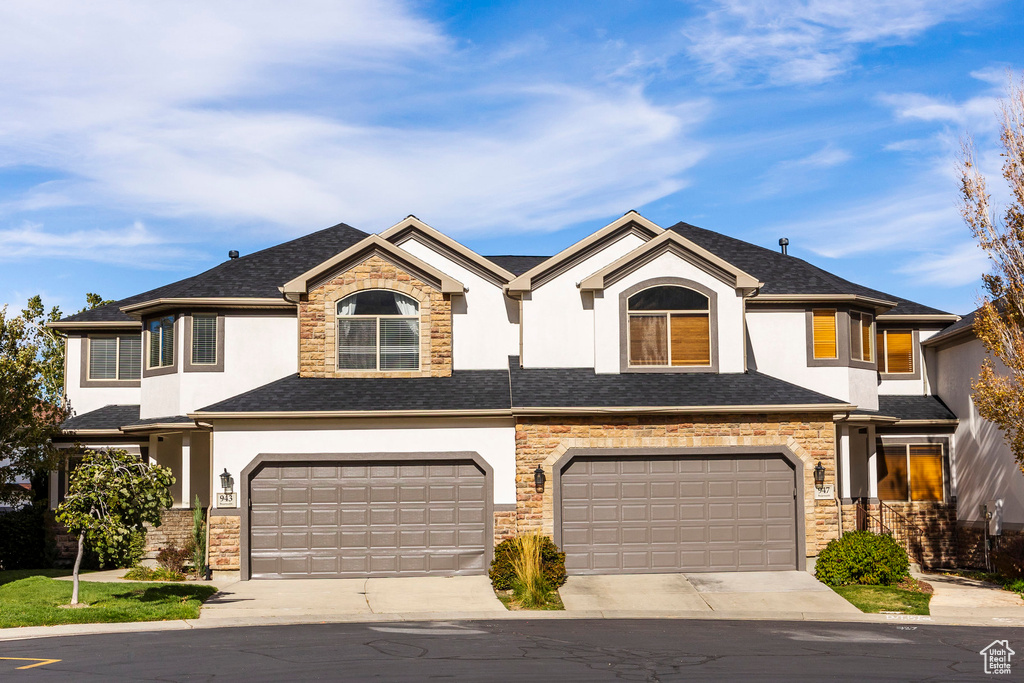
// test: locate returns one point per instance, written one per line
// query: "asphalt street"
(545, 650)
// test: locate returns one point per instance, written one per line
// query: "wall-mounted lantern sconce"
(539, 478)
(227, 482)
(819, 475)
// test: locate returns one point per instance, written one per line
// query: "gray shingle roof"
(517, 265)
(582, 387)
(911, 408)
(784, 274)
(169, 420)
(254, 275)
(960, 326)
(110, 417)
(464, 390)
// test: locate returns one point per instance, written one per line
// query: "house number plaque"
(227, 500)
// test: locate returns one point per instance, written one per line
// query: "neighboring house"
(394, 404)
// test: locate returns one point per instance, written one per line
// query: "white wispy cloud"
(959, 264)
(184, 110)
(805, 41)
(134, 245)
(801, 174)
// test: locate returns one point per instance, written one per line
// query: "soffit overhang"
(674, 243)
(373, 244)
(545, 271)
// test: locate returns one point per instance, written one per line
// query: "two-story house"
(387, 404)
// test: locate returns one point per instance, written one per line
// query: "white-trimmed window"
(895, 352)
(204, 339)
(378, 329)
(862, 338)
(115, 357)
(161, 342)
(668, 326)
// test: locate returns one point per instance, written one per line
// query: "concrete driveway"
(736, 592)
(302, 599)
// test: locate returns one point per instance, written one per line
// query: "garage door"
(667, 514)
(345, 520)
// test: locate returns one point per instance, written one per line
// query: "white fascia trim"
(523, 283)
(585, 410)
(815, 298)
(299, 285)
(161, 426)
(457, 247)
(929, 318)
(866, 419)
(95, 324)
(936, 423)
(218, 301)
(296, 414)
(742, 280)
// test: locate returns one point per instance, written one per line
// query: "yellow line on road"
(39, 662)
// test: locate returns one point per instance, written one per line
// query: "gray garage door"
(356, 520)
(667, 514)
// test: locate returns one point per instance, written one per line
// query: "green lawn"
(9, 575)
(885, 599)
(37, 600)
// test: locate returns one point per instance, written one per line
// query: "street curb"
(29, 632)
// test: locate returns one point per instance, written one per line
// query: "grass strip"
(875, 599)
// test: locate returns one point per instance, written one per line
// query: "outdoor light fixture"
(539, 478)
(227, 481)
(819, 475)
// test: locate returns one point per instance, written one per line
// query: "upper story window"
(378, 329)
(204, 339)
(895, 352)
(825, 344)
(862, 337)
(115, 357)
(669, 326)
(161, 342)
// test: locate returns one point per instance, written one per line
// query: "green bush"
(125, 555)
(862, 558)
(503, 573)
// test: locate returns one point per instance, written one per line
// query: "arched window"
(378, 330)
(669, 326)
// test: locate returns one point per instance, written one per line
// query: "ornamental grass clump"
(530, 586)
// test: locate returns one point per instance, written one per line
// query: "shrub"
(198, 540)
(149, 574)
(1008, 560)
(864, 558)
(174, 558)
(127, 554)
(552, 562)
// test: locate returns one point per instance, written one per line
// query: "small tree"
(198, 539)
(999, 323)
(112, 494)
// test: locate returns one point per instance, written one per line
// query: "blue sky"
(139, 142)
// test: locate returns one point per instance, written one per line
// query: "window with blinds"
(378, 329)
(204, 339)
(825, 341)
(861, 337)
(161, 342)
(668, 326)
(911, 472)
(115, 358)
(895, 351)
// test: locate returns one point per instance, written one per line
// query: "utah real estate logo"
(997, 657)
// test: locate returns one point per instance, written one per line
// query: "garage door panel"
(358, 520)
(678, 514)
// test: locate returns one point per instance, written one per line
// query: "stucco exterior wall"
(87, 399)
(917, 385)
(543, 440)
(485, 327)
(728, 315)
(237, 442)
(985, 468)
(318, 311)
(558, 319)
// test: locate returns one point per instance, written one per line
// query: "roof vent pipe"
(233, 254)
(784, 242)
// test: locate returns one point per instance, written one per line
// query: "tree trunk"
(78, 564)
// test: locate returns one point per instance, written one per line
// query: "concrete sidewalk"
(957, 597)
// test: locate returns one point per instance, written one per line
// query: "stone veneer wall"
(543, 440)
(175, 529)
(225, 543)
(317, 321)
(504, 525)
